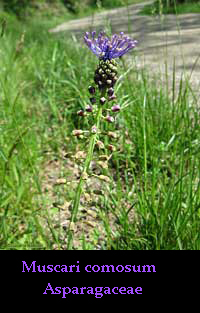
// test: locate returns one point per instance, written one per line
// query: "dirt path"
(162, 40)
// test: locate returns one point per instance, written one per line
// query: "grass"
(152, 201)
(177, 8)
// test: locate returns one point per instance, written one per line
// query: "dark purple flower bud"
(96, 79)
(108, 71)
(110, 92)
(89, 108)
(109, 82)
(102, 100)
(115, 108)
(109, 119)
(81, 113)
(93, 100)
(91, 90)
(101, 87)
(113, 97)
(114, 69)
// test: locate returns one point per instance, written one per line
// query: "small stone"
(84, 176)
(87, 197)
(80, 155)
(97, 192)
(104, 178)
(66, 206)
(72, 226)
(104, 157)
(90, 223)
(92, 213)
(61, 181)
(104, 165)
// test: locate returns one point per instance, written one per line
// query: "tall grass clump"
(31, 63)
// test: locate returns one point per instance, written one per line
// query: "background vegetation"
(25, 8)
(171, 7)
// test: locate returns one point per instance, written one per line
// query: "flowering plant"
(105, 76)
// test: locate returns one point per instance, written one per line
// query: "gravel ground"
(162, 40)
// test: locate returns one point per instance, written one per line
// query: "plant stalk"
(88, 159)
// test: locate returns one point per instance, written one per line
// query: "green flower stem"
(86, 166)
(88, 159)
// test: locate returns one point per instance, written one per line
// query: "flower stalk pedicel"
(107, 50)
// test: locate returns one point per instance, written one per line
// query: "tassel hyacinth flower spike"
(100, 108)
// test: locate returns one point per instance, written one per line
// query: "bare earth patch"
(60, 179)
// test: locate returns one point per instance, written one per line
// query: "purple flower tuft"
(109, 48)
